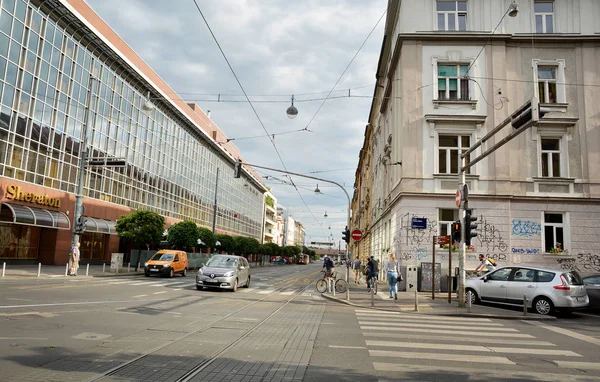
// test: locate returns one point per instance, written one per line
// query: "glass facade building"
(59, 81)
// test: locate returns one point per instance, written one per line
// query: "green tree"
(253, 245)
(227, 243)
(270, 249)
(207, 237)
(183, 235)
(141, 227)
(239, 245)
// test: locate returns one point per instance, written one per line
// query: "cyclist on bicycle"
(328, 268)
(372, 271)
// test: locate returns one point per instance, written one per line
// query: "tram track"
(301, 282)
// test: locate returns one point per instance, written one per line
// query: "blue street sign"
(419, 223)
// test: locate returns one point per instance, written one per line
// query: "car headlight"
(166, 265)
(200, 271)
(228, 274)
(145, 264)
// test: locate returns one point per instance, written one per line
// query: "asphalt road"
(137, 328)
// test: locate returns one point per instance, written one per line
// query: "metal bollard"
(372, 292)
(128, 267)
(3, 269)
(39, 269)
(66, 269)
(103, 265)
(524, 304)
(468, 303)
(87, 269)
(416, 301)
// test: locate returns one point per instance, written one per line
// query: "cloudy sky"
(277, 48)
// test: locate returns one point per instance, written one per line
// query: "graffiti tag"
(526, 251)
(491, 237)
(526, 228)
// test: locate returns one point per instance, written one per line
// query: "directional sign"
(443, 239)
(458, 198)
(357, 235)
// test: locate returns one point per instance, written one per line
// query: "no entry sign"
(458, 198)
(356, 234)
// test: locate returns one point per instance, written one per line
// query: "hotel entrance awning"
(100, 225)
(39, 217)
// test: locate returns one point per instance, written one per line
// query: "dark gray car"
(224, 272)
(592, 286)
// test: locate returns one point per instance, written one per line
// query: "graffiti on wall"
(583, 262)
(525, 251)
(415, 236)
(415, 253)
(526, 228)
(490, 237)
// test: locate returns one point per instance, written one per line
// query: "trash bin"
(116, 262)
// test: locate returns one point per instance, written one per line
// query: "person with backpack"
(372, 271)
(328, 268)
(488, 264)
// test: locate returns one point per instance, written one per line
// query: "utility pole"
(215, 205)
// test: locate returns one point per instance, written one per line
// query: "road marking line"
(441, 357)
(159, 285)
(442, 346)
(414, 319)
(287, 293)
(578, 365)
(347, 347)
(419, 316)
(24, 338)
(566, 332)
(438, 331)
(181, 283)
(147, 283)
(433, 326)
(140, 295)
(266, 291)
(177, 289)
(164, 291)
(422, 337)
(74, 303)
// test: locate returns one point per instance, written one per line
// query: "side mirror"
(485, 279)
(201, 265)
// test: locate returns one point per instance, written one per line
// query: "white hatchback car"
(546, 289)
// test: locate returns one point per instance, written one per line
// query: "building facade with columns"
(64, 73)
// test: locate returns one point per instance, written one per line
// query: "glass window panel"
(11, 74)
(24, 103)
(9, 5)
(2, 67)
(463, 70)
(543, 6)
(442, 85)
(454, 161)
(550, 144)
(18, 31)
(465, 141)
(30, 60)
(47, 51)
(15, 52)
(36, 22)
(547, 72)
(21, 10)
(556, 164)
(451, 22)
(462, 22)
(4, 40)
(544, 164)
(447, 70)
(44, 68)
(453, 84)
(55, 57)
(539, 26)
(559, 237)
(549, 26)
(27, 84)
(446, 5)
(441, 21)
(53, 76)
(553, 218)
(58, 37)
(5, 22)
(462, 6)
(552, 92)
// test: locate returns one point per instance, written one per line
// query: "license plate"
(153, 270)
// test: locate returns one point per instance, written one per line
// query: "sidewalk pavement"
(360, 297)
(12, 272)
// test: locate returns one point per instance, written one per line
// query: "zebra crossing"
(414, 343)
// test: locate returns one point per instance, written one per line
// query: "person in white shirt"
(393, 271)
(485, 264)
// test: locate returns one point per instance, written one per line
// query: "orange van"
(167, 262)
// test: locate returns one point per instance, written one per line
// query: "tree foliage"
(183, 235)
(270, 249)
(227, 243)
(141, 227)
(207, 237)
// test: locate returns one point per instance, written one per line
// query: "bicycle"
(340, 285)
(374, 284)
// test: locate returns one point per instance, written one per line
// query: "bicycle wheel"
(375, 284)
(341, 285)
(321, 286)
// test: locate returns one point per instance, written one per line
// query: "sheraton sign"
(15, 193)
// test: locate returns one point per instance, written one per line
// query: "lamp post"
(323, 180)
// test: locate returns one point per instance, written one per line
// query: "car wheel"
(247, 283)
(543, 306)
(199, 287)
(147, 274)
(171, 273)
(471, 295)
(235, 286)
(184, 272)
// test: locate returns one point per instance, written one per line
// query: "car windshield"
(222, 262)
(573, 278)
(162, 257)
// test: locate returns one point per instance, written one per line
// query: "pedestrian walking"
(393, 271)
(356, 265)
(75, 254)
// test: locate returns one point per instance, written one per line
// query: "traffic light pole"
(463, 245)
(237, 173)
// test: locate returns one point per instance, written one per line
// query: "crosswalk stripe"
(567, 332)
(433, 326)
(418, 345)
(180, 283)
(415, 319)
(439, 331)
(422, 337)
(266, 291)
(441, 357)
(419, 316)
(578, 365)
(287, 293)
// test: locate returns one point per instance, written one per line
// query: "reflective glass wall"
(44, 84)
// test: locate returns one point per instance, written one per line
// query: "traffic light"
(346, 235)
(470, 226)
(455, 230)
(237, 169)
(80, 225)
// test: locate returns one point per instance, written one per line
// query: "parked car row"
(547, 290)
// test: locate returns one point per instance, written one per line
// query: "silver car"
(592, 286)
(546, 289)
(224, 272)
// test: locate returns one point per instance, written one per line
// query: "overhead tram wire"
(250, 102)
(347, 66)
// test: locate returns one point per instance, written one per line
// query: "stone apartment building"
(448, 73)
